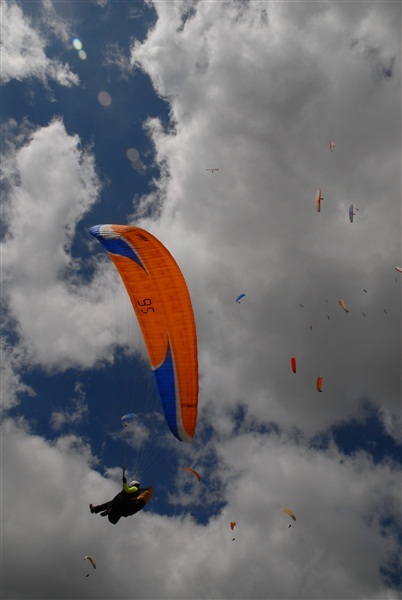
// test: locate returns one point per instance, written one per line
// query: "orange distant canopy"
(91, 560)
(293, 364)
(319, 384)
(232, 525)
(162, 304)
(289, 512)
(193, 472)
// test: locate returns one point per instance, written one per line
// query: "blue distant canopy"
(239, 298)
(127, 419)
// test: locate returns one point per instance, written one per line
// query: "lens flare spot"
(82, 54)
(77, 44)
(104, 98)
(132, 154)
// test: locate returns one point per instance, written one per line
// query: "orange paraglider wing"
(162, 304)
(193, 472)
(232, 525)
(293, 364)
(319, 384)
(289, 512)
(91, 560)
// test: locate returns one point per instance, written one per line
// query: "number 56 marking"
(147, 305)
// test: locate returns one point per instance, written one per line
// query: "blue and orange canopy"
(162, 304)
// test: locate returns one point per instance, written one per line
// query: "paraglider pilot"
(126, 503)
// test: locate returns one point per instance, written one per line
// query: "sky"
(112, 112)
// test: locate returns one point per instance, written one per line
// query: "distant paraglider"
(352, 212)
(331, 146)
(399, 269)
(239, 298)
(127, 419)
(193, 472)
(343, 305)
(318, 198)
(319, 384)
(290, 513)
(293, 364)
(232, 525)
(212, 170)
(91, 560)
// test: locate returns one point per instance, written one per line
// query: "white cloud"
(334, 549)
(12, 385)
(73, 416)
(23, 51)
(259, 91)
(114, 57)
(55, 184)
(60, 27)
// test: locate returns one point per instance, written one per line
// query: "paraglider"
(331, 146)
(343, 305)
(352, 212)
(319, 384)
(239, 298)
(212, 170)
(127, 419)
(290, 513)
(193, 472)
(91, 560)
(318, 198)
(162, 304)
(293, 364)
(126, 503)
(399, 269)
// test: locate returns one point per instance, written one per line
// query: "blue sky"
(124, 134)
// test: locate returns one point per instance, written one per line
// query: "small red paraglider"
(318, 198)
